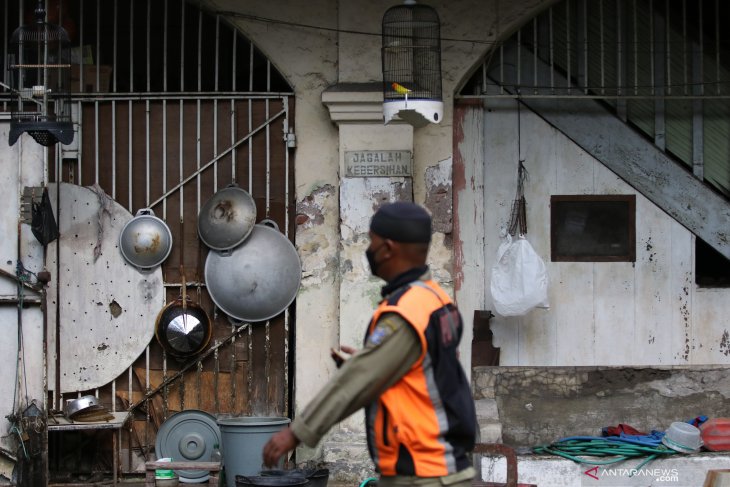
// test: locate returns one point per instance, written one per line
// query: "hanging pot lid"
(227, 218)
(188, 436)
(145, 241)
(259, 279)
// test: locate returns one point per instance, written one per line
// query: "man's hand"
(280, 444)
(341, 355)
(348, 350)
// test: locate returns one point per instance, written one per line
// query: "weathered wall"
(22, 383)
(623, 313)
(649, 312)
(312, 59)
(539, 406)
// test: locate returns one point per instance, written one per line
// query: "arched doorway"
(171, 104)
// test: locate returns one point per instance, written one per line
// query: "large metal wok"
(259, 279)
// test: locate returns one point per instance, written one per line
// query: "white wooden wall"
(20, 165)
(645, 313)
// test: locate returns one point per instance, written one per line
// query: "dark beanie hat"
(402, 221)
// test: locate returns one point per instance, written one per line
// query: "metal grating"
(663, 66)
(172, 104)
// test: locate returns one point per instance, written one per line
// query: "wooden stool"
(495, 449)
(150, 467)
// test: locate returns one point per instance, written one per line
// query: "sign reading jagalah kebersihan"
(378, 163)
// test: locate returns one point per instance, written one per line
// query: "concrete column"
(356, 108)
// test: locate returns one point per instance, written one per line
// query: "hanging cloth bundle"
(519, 277)
(43, 223)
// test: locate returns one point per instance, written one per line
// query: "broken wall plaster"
(361, 198)
(439, 195)
(440, 262)
(318, 257)
(310, 209)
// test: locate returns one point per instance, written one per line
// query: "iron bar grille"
(661, 66)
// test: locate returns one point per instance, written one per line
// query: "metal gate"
(164, 154)
(172, 104)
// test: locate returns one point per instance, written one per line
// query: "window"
(712, 269)
(593, 228)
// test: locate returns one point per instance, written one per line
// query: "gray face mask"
(370, 256)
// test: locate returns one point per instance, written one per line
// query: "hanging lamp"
(40, 76)
(411, 56)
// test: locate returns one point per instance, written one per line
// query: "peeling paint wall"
(439, 196)
(315, 249)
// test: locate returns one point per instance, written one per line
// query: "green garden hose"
(579, 447)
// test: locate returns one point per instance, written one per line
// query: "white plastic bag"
(519, 278)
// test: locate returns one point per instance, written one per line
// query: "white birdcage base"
(418, 113)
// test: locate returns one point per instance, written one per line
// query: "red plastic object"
(716, 434)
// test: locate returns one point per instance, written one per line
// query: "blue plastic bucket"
(242, 442)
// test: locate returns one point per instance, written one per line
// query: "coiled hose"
(620, 449)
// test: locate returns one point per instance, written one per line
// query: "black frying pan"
(183, 328)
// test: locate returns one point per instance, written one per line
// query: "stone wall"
(538, 405)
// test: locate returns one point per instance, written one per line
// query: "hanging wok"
(183, 328)
(227, 218)
(259, 279)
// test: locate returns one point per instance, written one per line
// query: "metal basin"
(145, 241)
(83, 403)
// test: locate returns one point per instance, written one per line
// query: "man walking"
(420, 416)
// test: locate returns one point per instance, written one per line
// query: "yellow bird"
(400, 88)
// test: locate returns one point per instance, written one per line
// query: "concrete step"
(553, 471)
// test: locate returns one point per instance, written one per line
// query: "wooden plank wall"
(649, 312)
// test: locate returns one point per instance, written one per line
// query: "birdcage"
(411, 55)
(40, 75)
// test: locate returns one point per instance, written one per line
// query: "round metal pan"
(183, 328)
(83, 403)
(145, 241)
(227, 218)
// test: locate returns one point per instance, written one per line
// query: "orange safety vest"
(425, 423)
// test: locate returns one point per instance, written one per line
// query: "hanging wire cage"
(411, 56)
(40, 75)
